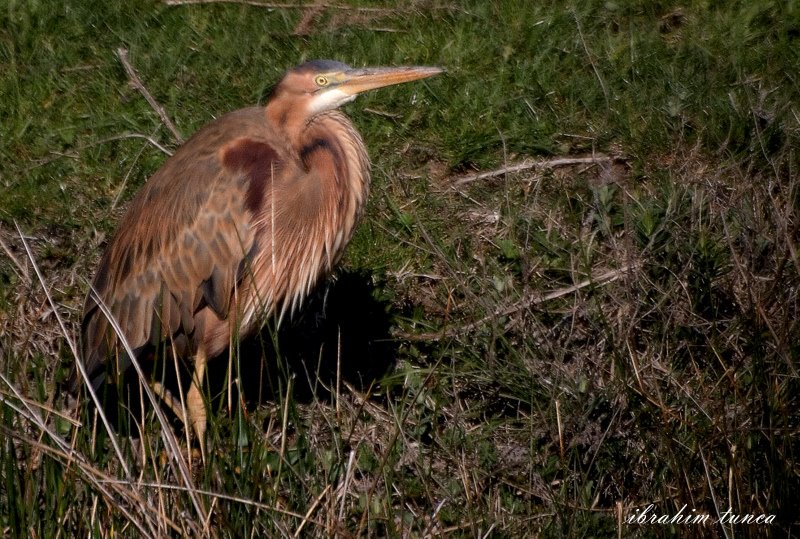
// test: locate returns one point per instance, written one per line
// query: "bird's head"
(322, 85)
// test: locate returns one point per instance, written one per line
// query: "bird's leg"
(166, 397)
(195, 403)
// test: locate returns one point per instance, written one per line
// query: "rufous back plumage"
(239, 223)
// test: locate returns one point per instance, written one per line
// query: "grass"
(540, 353)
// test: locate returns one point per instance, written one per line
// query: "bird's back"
(235, 208)
(178, 247)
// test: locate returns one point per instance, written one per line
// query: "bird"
(237, 226)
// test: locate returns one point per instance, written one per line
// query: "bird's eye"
(321, 80)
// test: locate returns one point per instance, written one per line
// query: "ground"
(572, 300)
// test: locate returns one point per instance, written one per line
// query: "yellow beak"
(356, 81)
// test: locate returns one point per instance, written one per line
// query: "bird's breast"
(304, 203)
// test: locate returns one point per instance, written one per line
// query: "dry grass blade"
(67, 455)
(713, 493)
(76, 355)
(311, 509)
(227, 497)
(598, 280)
(150, 140)
(589, 55)
(49, 409)
(78, 149)
(556, 406)
(166, 431)
(22, 270)
(528, 165)
(31, 414)
(398, 428)
(278, 5)
(345, 486)
(136, 82)
(64, 447)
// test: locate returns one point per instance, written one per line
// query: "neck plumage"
(323, 203)
(333, 148)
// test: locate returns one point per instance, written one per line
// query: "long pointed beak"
(369, 78)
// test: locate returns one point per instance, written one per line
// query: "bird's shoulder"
(190, 223)
(202, 175)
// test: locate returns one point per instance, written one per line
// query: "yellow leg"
(166, 397)
(195, 403)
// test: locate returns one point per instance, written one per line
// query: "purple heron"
(238, 225)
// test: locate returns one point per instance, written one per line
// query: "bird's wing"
(181, 246)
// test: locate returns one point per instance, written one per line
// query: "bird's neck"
(289, 122)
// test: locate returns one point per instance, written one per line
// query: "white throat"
(328, 100)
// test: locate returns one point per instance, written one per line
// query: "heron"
(235, 227)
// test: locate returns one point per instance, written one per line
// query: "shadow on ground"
(342, 329)
(341, 332)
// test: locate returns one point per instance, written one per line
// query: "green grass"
(522, 400)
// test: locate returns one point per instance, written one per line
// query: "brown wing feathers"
(158, 273)
(189, 237)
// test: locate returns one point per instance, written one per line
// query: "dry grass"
(634, 339)
(538, 350)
